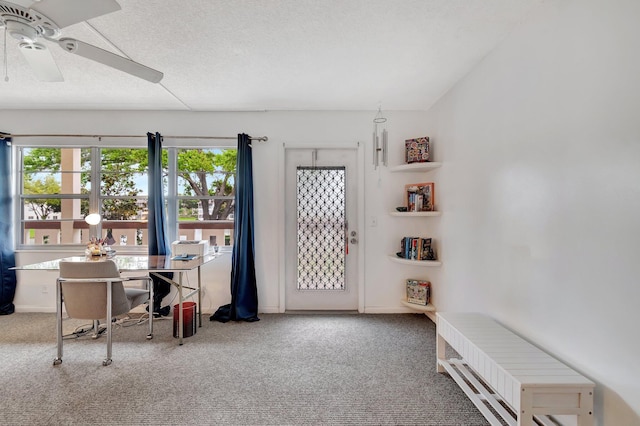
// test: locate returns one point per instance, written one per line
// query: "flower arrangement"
(95, 247)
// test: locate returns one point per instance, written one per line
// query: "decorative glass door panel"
(321, 228)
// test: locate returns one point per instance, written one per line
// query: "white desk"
(144, 263)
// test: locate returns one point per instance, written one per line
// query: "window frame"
(95, 196)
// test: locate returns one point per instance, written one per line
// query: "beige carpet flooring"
(287, 369)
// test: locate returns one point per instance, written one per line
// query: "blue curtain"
(157, 220)
(7, 255)
(244, 292)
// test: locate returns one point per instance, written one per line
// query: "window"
(205, 194)
(56, 193)
(123, 195)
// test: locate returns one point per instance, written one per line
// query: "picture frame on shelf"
(417, 150)
(418, 291)
(420, 197)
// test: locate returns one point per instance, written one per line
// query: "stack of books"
(416, 248)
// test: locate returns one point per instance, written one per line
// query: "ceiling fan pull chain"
(6, 74)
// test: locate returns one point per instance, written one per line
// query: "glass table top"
(128, 263)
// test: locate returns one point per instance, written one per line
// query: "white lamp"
(93, 219)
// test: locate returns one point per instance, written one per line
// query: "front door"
(321, 256)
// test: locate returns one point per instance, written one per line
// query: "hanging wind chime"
(379, 140)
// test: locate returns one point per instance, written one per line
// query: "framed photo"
(420, 197)
(417, 150)
(418, 291)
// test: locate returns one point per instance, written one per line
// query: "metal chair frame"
(109, 282)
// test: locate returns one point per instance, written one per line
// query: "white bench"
(499, 366)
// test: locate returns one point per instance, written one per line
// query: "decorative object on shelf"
(417, 150)
(109, 240)
(418, 291)
(416, 248)
(95, 248)
(420, 197)
(379, 140)
(401, 209)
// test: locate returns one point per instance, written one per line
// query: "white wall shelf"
(397, 259)
(420, 308)
(415, 167)
(414, 214)
(429, 310)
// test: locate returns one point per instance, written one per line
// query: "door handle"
(353, 241)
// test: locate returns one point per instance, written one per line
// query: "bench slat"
(484, 392)
(480, 405)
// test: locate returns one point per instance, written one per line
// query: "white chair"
(94, 290)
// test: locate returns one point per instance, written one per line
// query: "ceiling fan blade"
(41, 62)
(94, 53)
(68, 12)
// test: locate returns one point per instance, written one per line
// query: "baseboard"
(316, 312)
(262, 310)
(36, 309)
(388, 310)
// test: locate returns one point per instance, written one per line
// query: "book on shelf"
(417, 248)
(418, 291)
(420, 197)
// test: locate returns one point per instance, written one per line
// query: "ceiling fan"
(45, 19)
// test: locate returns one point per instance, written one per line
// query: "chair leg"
(107, 361)
(150, 287)
(96, 329)
(58, 359)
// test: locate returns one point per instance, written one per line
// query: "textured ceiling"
(271, 54)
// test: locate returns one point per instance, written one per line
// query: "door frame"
(359, 148)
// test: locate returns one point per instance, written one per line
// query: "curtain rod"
(8, 135)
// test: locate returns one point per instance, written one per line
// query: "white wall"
(383, 280)
(541, 192)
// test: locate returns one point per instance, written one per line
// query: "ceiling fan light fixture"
(21, 31)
